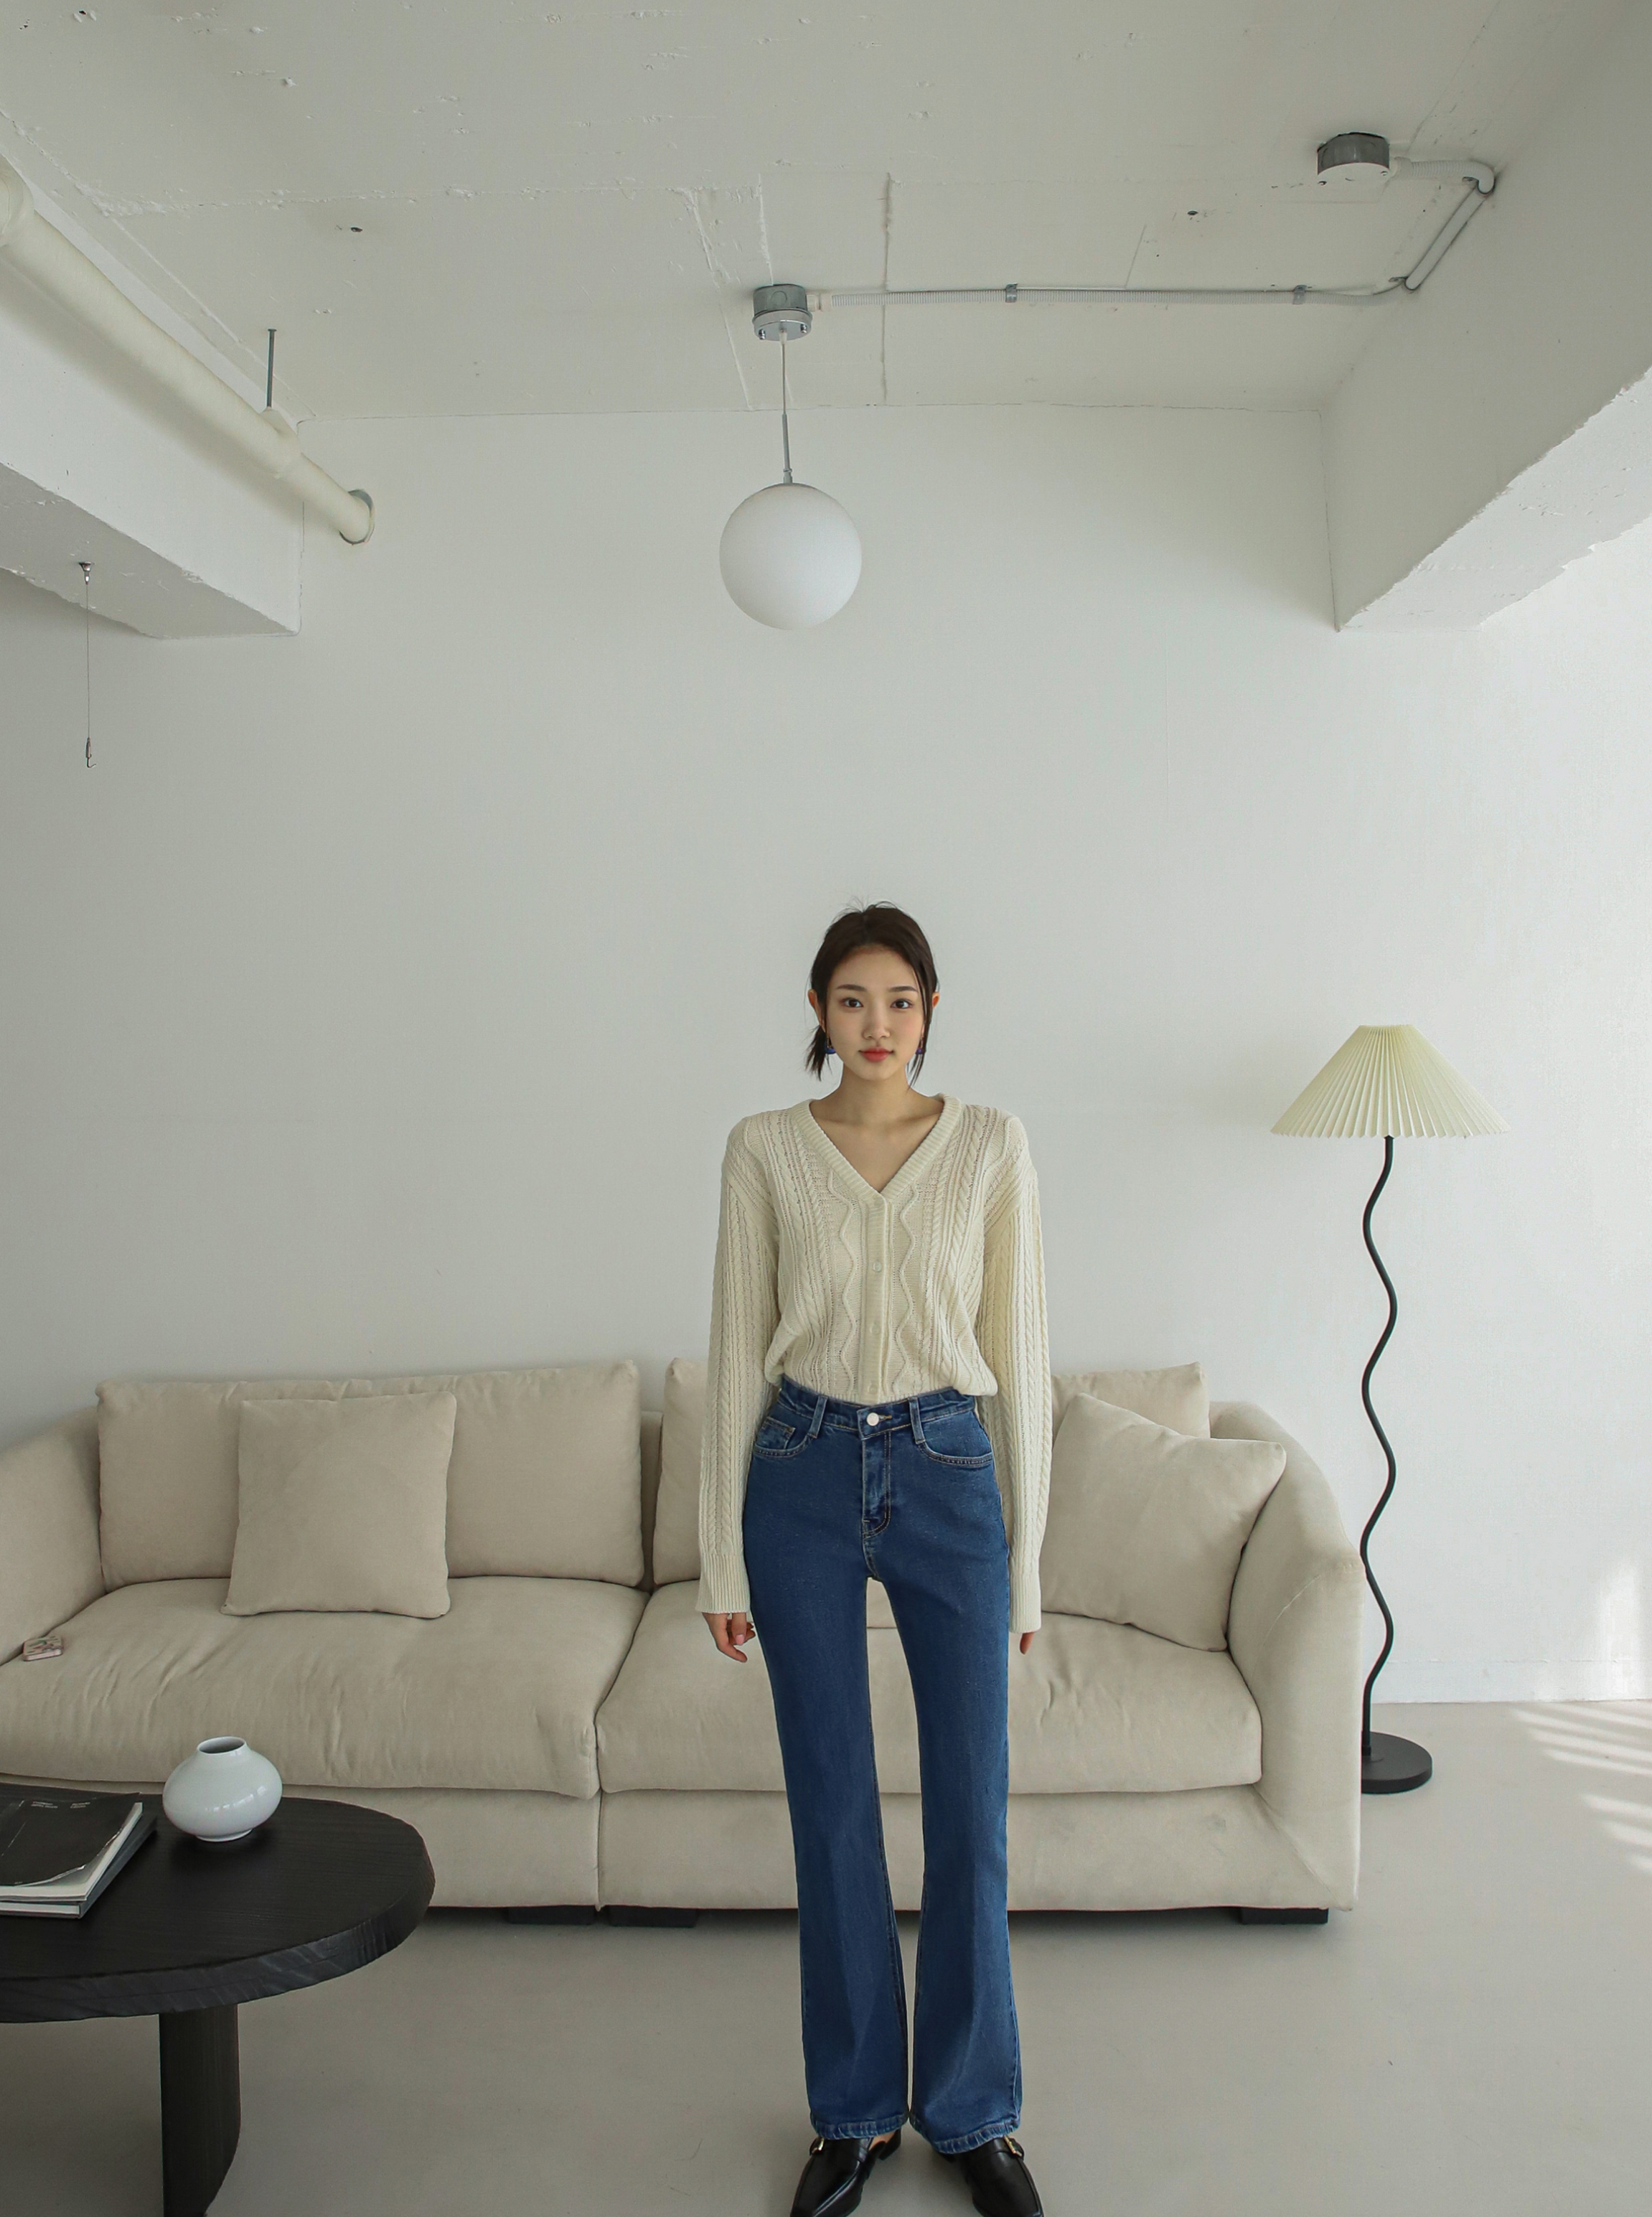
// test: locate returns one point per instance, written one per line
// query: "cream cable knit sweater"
(868, 1296)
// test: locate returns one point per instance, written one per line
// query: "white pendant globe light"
(789, 555)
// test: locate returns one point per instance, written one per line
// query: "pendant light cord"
(785, 427)
(86, 583)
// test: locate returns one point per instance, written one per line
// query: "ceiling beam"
(1479, 442)
(96, 466)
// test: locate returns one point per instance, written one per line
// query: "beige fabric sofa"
(566, 1735)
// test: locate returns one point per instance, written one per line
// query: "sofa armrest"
(1294, 1630)
(50, 1566)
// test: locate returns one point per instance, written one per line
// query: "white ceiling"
(495, 209)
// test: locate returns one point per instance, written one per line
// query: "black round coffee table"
(188, 1933)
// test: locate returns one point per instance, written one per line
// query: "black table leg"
(200, 2106)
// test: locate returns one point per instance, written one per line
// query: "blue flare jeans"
(903, 1491)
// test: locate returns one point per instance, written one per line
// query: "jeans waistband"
(823, 1411)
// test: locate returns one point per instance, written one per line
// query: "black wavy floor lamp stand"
(1388, 1764)
(1386, 1081)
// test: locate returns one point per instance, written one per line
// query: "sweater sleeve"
(1012, 1333)
(745, 1311)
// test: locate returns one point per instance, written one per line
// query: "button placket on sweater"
(874, 1330)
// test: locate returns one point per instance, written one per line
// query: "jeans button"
(872, 1416)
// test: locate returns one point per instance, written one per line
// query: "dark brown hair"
(880, 925)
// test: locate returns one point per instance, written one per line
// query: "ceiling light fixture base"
(781, 312)
(1352, 154)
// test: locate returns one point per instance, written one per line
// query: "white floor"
(1475, 2037)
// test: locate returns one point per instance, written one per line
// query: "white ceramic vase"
(222, 1792)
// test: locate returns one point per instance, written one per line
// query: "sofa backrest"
(676, 1514)
(650, 1445)
(1178, 1397)
(545, 1479)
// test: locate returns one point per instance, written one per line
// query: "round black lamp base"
(1395, 1765)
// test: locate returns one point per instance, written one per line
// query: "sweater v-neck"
(927, 1149)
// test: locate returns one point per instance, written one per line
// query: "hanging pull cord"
(270, 376)
(86, 586)
(785, 427)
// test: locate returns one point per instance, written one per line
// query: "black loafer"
(835, 2174)
(1000, 2185)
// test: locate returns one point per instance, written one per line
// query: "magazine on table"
(59, 1850)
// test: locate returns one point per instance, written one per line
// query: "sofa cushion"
(1177, 1398)
(343, 1505)
(545, 1479)
(1146, 1526)
(501, 1692)
(1093, 1708)
(677, 1513)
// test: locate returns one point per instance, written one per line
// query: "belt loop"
(819, 1416)
(917, 1414)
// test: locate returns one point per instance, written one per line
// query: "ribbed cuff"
(722, 1595)
(1025, 1613)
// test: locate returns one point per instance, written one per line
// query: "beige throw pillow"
(1146, 1526)
(343, 1505)
(1177, 1397)
(546, 1479)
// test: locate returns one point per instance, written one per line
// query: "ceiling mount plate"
(1353, 154)
(781, 312)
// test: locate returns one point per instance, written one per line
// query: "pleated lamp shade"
(1387, 1082)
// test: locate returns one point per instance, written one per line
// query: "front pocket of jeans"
(776, 1442)
(956, 1437)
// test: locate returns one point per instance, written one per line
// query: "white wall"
(383, 996)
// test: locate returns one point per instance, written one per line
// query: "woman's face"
(873, 1014)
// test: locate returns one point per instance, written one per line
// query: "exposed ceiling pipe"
(1481, 181)
(1347, 155)
(1480, 175)
(64, 274)
(1109, 296)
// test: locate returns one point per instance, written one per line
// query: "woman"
(879, 1263)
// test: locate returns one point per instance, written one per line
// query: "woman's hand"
(1027, 1638)
(731, 1632)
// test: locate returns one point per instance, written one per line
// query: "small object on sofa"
(46, 1649)
(1146, 1525)
(223, 1792)
(343, 1505)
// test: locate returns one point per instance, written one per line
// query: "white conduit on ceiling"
(64, 274)
(1056, 296)
(1478, 176)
